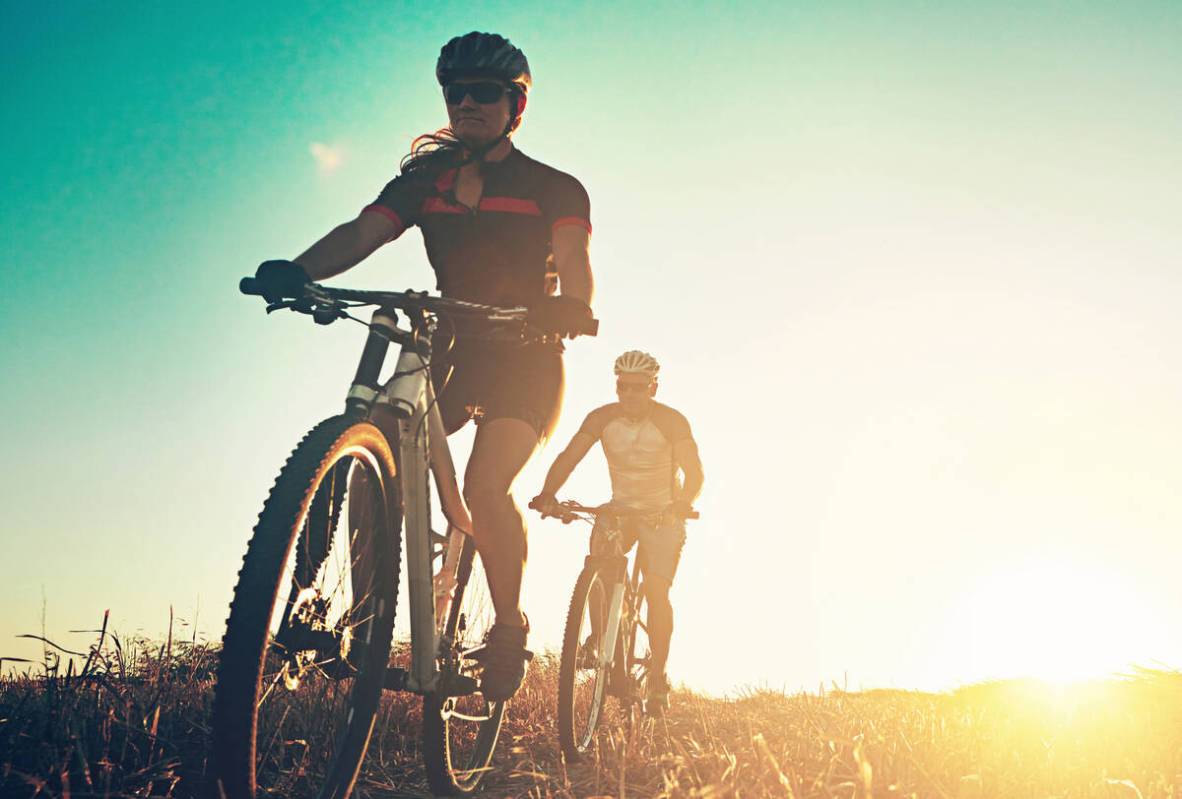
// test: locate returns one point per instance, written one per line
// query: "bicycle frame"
(616, 564)
(422, 447)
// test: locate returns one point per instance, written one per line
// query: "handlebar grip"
(591, 328)
(694, 515)
(248, 285)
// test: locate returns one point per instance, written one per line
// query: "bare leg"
(660, 620)
(502, 448)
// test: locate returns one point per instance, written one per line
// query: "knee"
(656, 593)
(485, 499)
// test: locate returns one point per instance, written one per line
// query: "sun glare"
(1055, 621)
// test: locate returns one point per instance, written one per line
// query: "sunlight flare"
(1056, 621)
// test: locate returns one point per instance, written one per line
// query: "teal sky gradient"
(912, 268)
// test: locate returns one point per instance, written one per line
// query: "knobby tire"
(247, 640)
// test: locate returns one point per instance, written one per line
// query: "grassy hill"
(131, 720)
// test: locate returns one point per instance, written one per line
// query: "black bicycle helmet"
(483, 55)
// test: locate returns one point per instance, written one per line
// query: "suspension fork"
(619, 575)
(364, 392)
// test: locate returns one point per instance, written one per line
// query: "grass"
(131, 720)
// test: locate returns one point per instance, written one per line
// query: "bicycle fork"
(614, 617)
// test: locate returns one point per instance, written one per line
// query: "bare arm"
(566, 462)
(685, 453)
(572, 261)
(347, 245)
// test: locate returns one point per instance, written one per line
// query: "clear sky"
(913, 270)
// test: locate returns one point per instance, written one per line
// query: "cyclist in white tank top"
(646, 444)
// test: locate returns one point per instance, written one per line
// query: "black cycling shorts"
(487, 381)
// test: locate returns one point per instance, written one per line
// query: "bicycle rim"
(460, 732)
(583, 674)
(306, 646)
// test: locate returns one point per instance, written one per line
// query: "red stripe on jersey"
(437, 205)
(510, 205)
(389, 214)
(572, 220)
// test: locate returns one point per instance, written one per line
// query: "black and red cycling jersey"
(495, 253)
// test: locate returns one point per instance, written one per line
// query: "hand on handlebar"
(546, 504)
(562, 315)
(279, 280)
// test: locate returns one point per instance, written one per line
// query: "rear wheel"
(460, 732)
(583, 674)
(307, 642)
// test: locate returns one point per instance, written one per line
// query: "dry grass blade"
(134, 722)
(58, 647)
(769, 759)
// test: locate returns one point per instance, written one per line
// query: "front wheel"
(584, 672)
(307, 642)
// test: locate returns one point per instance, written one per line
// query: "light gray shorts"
(660, 544)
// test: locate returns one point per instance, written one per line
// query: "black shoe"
(657, 695)
(503, 659)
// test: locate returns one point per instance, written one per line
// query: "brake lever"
(300, 304)
(327, 314)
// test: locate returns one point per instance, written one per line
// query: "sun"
(1055, 620)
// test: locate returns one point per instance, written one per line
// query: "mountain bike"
(307, 650)
(604, 645)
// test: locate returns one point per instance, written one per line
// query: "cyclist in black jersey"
(491, 219)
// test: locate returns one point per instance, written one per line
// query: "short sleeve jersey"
(639, 453)
(495, 253)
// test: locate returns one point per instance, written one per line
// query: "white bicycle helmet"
(637, 362)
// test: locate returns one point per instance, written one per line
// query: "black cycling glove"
(281, 280)
(562, 315)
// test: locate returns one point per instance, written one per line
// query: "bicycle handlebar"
(571, 511)
(410, 301)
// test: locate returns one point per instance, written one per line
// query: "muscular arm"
(346, 245)
(566, 462)
(685, 453)
(572, 261)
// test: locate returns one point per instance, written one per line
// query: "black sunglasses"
(632, 388)
(483, 93)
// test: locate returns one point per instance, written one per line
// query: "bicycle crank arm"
(456, 685)
(398, 679)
